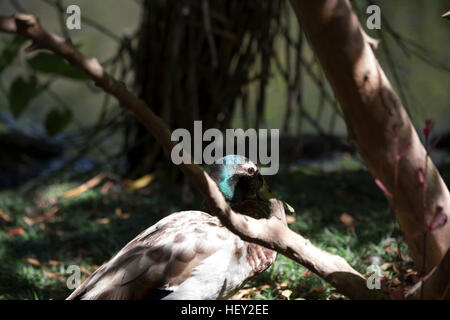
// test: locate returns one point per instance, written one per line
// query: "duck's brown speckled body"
(187, 255)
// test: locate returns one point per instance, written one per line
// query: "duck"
(190, 255)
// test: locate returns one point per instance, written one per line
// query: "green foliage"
(56, 120)
(21, 93)
(87, 230)
(23, 90)
(10, 51)
(49, 63)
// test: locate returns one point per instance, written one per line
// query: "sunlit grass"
(87, 230)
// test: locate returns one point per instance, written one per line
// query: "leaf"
(54, 263)
(103, 221)
(386, 266)
(47, 216)
(49, 63)
(57, 120)
(10, 51)
(288, 208)
(287, 294)
(140, 183)
(15, 232)
(53, 275)
(348, 221)
(124, 215)
(34, 262)
(106, 187)
(86, 271)
(438, 222)
(21, 93)
(4, 216)
(84, 187)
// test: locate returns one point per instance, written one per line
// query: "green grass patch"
(88, 229)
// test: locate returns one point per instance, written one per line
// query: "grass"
(46, 234)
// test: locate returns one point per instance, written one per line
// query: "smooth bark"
(371, 110)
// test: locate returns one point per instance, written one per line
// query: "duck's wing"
(172, 259)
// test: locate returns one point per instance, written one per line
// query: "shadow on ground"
(88, 229)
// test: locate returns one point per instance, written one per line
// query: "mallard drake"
(190, 254)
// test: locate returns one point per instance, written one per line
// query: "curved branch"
(272, 233)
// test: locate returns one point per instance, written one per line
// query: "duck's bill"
(265, 194)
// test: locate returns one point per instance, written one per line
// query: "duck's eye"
(251, 170)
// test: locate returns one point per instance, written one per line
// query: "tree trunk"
(229, 37)
(371, 110)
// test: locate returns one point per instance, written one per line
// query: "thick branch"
(371, 110)
(272, 233)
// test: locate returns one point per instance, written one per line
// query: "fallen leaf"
(286, 293)
(106, 187)
(348, 221)
(394, 266)
(54, 262)
(243, 294)
(386, 266)
(28, 221)
(53, 275)
(86, 271)
(95, 181)
(103, 221)
(34, 262)
(47, 216)
(4, 216)
(388, 249)
(140, 183)
(405, 257)
(121, 214)
(15, 232)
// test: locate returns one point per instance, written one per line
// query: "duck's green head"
(240, 179)
(237, 177)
